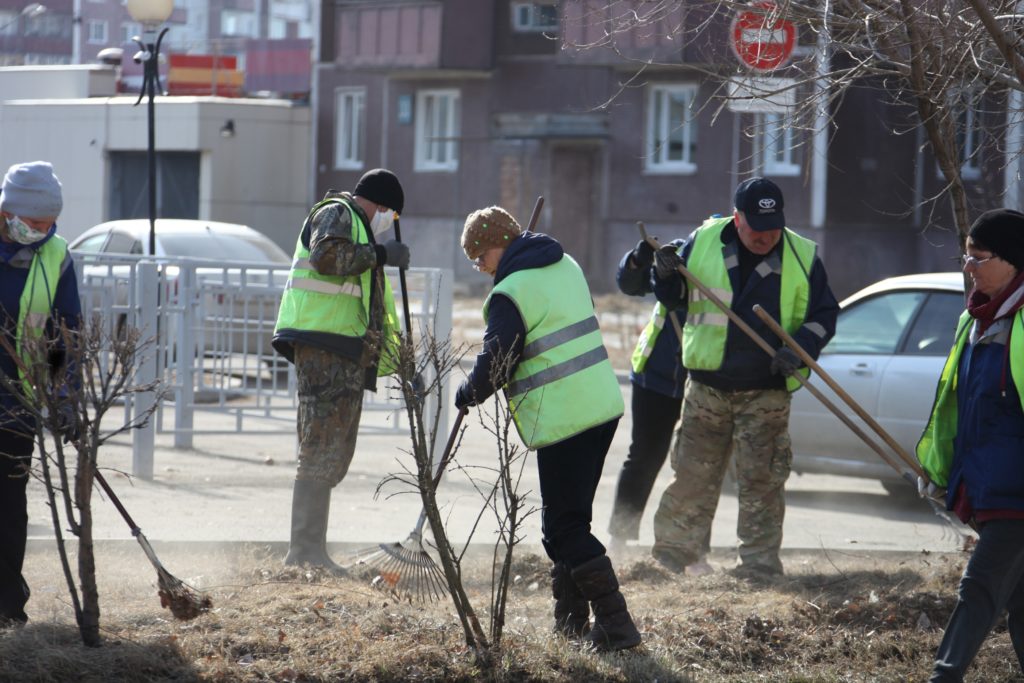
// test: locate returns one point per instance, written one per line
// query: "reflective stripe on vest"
(36, 303)
(704, 334)
(935, 448)
(564, 383)
(648, 338)
(337, 304)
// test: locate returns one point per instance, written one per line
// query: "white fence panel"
(212, 322)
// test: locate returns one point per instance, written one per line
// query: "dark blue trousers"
(569, 473)
(15, 457)
(991, 584)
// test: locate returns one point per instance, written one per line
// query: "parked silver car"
(891, 341)
(239, 285)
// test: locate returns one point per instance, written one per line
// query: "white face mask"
(382, 222)
(19, 231)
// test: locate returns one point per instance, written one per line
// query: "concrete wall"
(257, 177)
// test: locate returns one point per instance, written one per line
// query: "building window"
(671, 138)
(968, 134)
(774, 146)
(437, 130)
(534, 17)
(97, 32)
(8, 23)
(129, 29)
(235, 23)
(349, 110)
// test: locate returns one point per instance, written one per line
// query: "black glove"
(643, 255)
(464, 396)
(666, 262)
(396, 254)
(67, 425)
(785, 362)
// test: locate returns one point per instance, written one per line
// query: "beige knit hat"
(488, 228)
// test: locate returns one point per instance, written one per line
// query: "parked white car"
(891, 341)
(240, 284)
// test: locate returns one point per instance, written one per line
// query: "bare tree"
(942, 58)
(68, 410)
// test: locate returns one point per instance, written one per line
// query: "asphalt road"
(237, 487)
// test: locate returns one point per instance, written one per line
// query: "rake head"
(184, 602)
(406, 570)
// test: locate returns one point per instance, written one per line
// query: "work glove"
(785, 362)
(930, 490)
(464, 396)
(666, 262)
(396, 254)
(67, 425)
(643, 255)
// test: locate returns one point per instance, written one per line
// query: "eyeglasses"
(972, 261)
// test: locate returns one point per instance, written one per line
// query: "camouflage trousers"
(330, 390)
(754, 426)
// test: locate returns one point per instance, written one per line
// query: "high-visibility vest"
(706, 326)
(337, 304)
(649, 337)
(563, 383)
(36, 303)
(935, 449)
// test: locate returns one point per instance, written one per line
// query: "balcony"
(425, 35)
(624, 32)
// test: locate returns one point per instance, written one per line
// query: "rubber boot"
(311, 503)
(572, 611)
(613, 627)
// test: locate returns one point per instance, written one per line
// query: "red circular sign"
(761, 38)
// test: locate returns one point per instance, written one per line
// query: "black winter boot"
(572, 611)
(311, 502)
(613, 628)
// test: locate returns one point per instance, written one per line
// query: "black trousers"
(992, 583)
(654, 419)
(15, 457)
(569, 473)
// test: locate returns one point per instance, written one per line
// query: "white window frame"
(661, 130)
(242, 24)
(96, 31)
(526, 17)
(775, 145)
(431, 153)
(130, 29)
(349, 124)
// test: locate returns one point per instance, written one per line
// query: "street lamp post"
(150, 13)
(27, 12)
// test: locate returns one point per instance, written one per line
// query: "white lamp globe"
(150, 12)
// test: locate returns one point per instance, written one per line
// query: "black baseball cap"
(761, 202)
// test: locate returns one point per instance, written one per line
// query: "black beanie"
(381, 186)
(1001, 231)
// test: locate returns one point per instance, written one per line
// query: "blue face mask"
(19, 231)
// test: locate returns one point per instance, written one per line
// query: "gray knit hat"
(31, 190)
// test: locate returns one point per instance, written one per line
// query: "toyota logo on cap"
(766, 204)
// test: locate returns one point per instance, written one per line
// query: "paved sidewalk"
(238, 487)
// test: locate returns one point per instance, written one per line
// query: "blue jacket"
(505, 327)
(664, 372)
(989, 443)
(14, 263)
(746, 366)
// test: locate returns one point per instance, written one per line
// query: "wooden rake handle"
(834, 386)
(671, 315)
(767, 348)
(535, 216)
(401, 283)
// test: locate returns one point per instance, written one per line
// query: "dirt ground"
(835, 616)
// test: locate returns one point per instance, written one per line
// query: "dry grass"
(834, 617)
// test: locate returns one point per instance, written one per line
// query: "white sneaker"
(699, 568)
